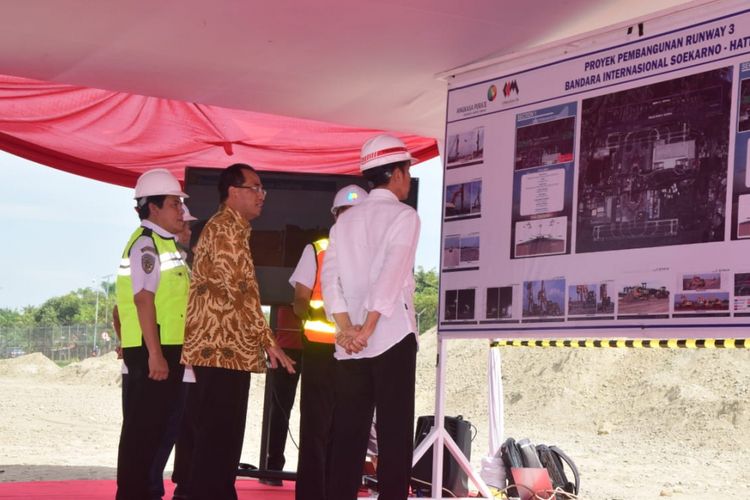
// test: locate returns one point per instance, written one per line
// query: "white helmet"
(382, 150)
(348, 197)
(186, 215)
(157, 182)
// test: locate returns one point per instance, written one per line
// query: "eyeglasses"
(256, 189)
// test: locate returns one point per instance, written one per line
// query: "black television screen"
(297, 211)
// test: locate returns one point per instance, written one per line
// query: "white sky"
(61, 232)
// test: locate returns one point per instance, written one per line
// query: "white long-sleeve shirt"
(369, 266)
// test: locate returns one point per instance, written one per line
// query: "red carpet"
(105, 490)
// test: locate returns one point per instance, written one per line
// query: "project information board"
(604, 194)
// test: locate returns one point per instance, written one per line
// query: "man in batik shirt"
(226, 335)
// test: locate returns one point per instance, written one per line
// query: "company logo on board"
(509, 87)
(492, 92)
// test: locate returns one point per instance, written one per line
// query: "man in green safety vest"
(152, 292)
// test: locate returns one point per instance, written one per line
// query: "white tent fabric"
(495, 383)
(365, 63)
(493, 470)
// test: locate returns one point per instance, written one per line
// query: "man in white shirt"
(368, 289)
(319, 365)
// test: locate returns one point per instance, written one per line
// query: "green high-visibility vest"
(171, 294)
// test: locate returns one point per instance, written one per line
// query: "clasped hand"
(353, 339)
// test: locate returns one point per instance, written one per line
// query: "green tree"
(17, 318)
(27, 315)
(87, 299)
(63, 310)
(426, 298)
(77, 307)
(9, 317)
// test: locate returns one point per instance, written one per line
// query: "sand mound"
(676, 394)
(36, 364)
(699, 396)
(101, 371)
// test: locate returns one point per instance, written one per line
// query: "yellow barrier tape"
(629, 343)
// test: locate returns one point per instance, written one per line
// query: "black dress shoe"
(270, 482)
(179, 493)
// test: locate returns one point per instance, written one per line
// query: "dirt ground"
(639, 423)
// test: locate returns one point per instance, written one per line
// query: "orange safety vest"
(317, 327)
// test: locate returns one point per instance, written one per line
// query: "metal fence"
(58, 343)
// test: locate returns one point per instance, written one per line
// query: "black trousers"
(169, 441)
(385, 383)
(146, 410)
(216, 410)
(283, 387)
(316, 420)
(183, 450)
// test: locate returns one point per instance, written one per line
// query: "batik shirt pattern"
(225, 326)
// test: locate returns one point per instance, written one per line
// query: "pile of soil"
(639, 423)
(28, 365)
(102, 371)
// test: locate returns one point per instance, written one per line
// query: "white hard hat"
(348, 197)
(186, 215)
(382, 150)
(158, 182)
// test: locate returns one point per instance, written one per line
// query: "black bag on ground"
(511, 456)
(552, 459)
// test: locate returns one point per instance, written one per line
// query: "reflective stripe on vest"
(317, 327)
(167, 260)
(170, 298)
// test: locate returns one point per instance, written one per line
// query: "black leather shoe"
(179, 493)
(270, 482)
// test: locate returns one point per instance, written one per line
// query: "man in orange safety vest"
(318, 346)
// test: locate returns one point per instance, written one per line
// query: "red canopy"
(115, 136)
